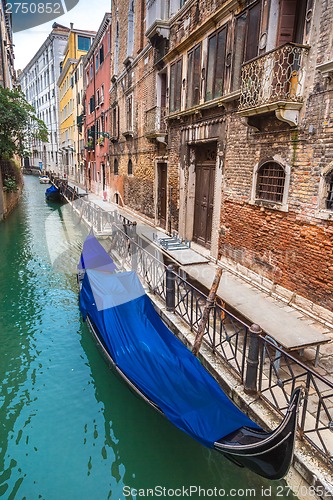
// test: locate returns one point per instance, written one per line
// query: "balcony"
(274, 82)
(155, 127)
(157, 22)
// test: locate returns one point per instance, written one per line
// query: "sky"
(87, 15)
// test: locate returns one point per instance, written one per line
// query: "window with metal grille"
(329, 198)
(270, 182)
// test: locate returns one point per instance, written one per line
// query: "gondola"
(164, 372)
(52, 194)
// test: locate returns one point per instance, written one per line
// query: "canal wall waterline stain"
(68, 427)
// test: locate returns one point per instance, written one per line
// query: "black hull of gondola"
(267, 454)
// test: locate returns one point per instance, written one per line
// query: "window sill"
(324, 214)
(213, 103)
(128, 133)
(270, 205)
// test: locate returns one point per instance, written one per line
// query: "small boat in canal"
(164, 372)
(53, 194)
(44, 179)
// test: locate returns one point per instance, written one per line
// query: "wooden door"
(204, 195)
(162, 194)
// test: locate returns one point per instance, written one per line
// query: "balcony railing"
(273, 78)
(155, 124)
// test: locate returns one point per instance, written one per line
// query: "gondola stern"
(268, 454)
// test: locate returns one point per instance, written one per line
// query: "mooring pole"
(170, 282)
(205, 316)
(252, 361)
(134, 247)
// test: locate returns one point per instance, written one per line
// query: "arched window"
(115, 167)
(130, 167)
(270, 182)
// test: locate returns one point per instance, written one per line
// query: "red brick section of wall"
(293, 253)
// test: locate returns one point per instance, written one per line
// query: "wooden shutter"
(287, 19)
(253, 28)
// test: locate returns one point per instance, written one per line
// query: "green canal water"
(69, 429)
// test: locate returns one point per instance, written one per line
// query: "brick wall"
(292, 253)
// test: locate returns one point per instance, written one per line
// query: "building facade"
(7, 71)
(221, 129)
(38, 81)
(138, 145)
(78, 175)
(250, 135)
(78, 44)
(97, 118)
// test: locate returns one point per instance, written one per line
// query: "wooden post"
(134, 247)
(250, 386)
(209, 304)
(170, 292)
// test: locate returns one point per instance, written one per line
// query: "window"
(175, 85)
(114, 126)
(216, 64)
(101, 54)
(96, 62)
(130, 167)
(130, 29)
(116, 50)
(329, 197)
(129, 112)
(193, 76)
(102, 94)
(246, 40)
(270, 182)
(83, 43)
(115, 167)
(92, 104)
(91, 136)
(292, 15)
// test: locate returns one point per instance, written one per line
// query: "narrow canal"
(68, 428)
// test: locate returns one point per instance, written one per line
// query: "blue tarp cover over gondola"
(94, 256)
(51, 189)
(150, 355)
